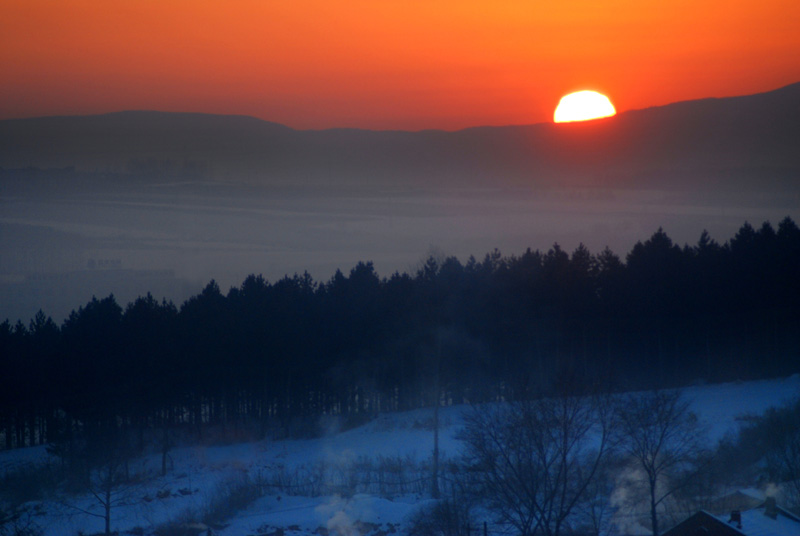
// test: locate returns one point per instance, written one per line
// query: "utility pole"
(435, 478)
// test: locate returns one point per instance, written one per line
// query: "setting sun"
(582, 106)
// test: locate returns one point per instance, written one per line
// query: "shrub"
(448, 517)
(28, 483)
(230, 497)
(19, 520)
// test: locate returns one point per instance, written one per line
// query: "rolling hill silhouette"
(747, 142)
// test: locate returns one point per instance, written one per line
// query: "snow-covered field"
(198, 473)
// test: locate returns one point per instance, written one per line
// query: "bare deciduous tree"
(783, 449)
(109, 479)
(662, 439)
(537, 459)
(790, 461)
(20, 519)
(594, 513)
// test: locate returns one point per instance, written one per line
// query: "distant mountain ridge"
(747, 141)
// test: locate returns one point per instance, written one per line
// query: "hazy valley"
(145, 201)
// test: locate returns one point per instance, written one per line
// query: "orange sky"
(386, 64)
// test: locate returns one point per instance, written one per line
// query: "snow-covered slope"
(200, 474)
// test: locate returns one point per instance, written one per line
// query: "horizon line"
(365, 129)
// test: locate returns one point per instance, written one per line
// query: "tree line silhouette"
(278, 356)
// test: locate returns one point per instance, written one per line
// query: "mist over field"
(171, 240)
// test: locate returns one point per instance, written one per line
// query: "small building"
(768, 519)
(741, 499)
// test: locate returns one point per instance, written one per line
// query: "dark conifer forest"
(276, 356)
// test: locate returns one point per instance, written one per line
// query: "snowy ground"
(199, 472)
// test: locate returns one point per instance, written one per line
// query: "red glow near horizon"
(385, 65)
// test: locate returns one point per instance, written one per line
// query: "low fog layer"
(58, 252)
